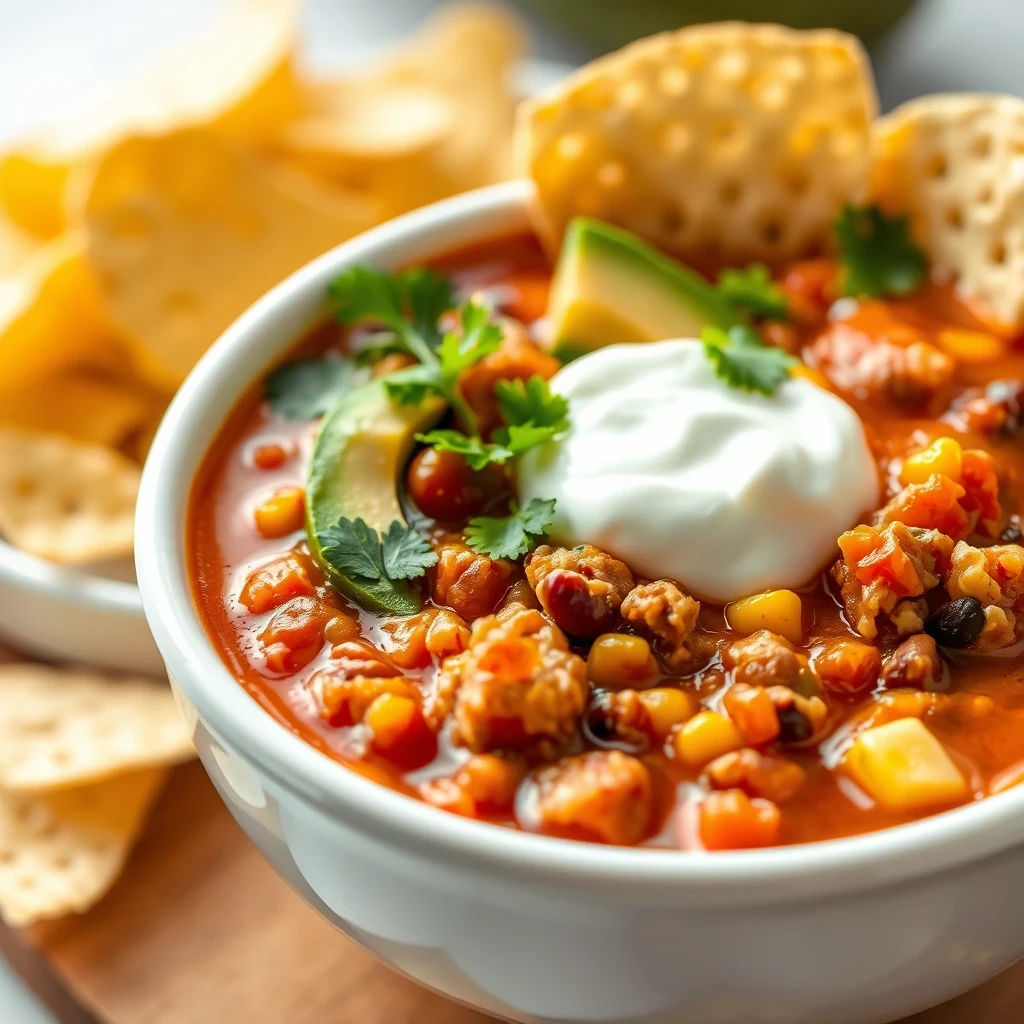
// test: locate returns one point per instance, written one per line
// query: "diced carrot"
(730, 820)
(276, 582)
(531, 294)
(270, 456)
(753, 713)
(400, 732)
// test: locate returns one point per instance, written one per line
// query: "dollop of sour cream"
(678, 474)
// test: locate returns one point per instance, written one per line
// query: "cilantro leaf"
(520, 438)
(407, 555)
(377, 565)
(752, 291)
(307, 388)
(743, 361)
(531, 401)
(408, 303)
(477, 452)
(460, 350)
(512, 535)
(411, 385)
(877, 254)
(353, 548)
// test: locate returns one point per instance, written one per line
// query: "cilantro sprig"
(513, 535)
(744, 361)
(409, 307)
(532, 415)
(877, 254)
(377, 563)
(307, 388)
(751, 291)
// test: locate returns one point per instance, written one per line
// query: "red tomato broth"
(225, 548)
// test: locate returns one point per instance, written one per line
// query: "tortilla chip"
(51, 314)
(186, 231)
(16, 248)
(238, 78)
(65, 500)
(67, 728)
(738, 140)
(60, 852)
(431, 120)
(82, 404)
(954, 165)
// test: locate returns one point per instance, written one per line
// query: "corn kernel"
(618, 659)
(943, 456)
(809, 373)
(704, 737)
(903, 767)
(777, 610)
(971, 346)
(667, 707)
(282, 513)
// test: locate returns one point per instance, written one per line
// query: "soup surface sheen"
(691, 718)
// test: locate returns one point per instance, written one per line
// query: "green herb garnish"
(409, 305)
(751, 291)
(307, 388)
(532, 414)
(376, 562)
(744, 361)
(877, 254)
(512, 535)
(531, 401)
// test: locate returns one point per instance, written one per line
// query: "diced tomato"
(270, 456)
(295, 634)
(276, 582)
(731, 820)
(933, 505)
(811, 287)
(981, 487)
(531, 289)
(872, 556)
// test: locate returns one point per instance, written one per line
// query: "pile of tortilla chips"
(82, 760)
(131, 236)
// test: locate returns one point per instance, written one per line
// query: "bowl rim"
(929, 845)
(68, 584)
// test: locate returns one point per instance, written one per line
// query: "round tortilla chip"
(65, 500)
(735, 140)
(955, 165)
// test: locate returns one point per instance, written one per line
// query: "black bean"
(794, 725)
(956, 623)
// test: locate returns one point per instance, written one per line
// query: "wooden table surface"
(200, 930)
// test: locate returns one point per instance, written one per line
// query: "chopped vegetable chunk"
(904, 767)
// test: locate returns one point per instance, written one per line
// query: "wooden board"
(200, 931)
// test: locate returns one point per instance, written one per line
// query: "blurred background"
(55, 55)
(52, 51)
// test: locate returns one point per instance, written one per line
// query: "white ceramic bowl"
(75, 615)
(859, 930)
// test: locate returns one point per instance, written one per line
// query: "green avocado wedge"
(362, 446)
(610, 287)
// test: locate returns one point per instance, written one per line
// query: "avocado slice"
(362, 447)
(611, 287)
